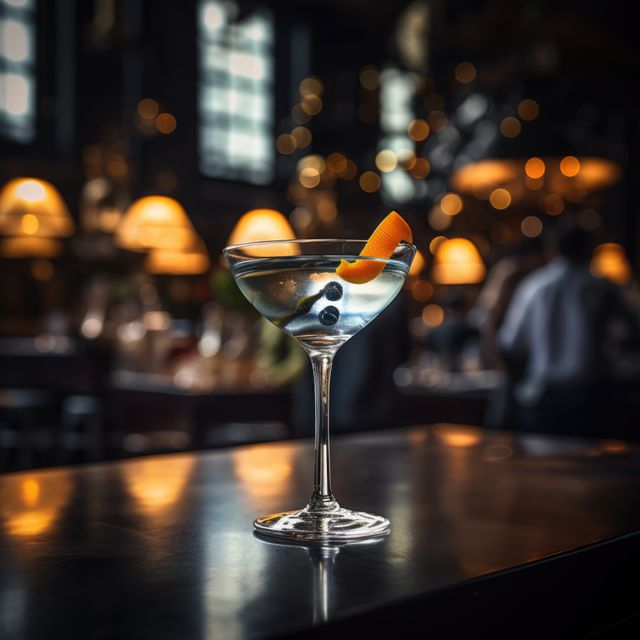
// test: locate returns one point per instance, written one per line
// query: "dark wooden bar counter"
(491, 533)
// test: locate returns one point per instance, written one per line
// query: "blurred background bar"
(137, 139)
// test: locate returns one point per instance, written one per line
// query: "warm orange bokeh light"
(500, 198)
(534, 168)
(155, 222)
(610, 261)
(570, 166)
(451, 204)
(465, 72)
(370, 181)
(259, 225)
(32, 207)
(419, 130)
(457, 261)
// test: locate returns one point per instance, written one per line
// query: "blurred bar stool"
(81, 430)
(25, 427)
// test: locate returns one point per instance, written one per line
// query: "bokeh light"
(465, 72)
(370, 181)
(510, 127)
(528, 109)
(500, 198)
(534, 168)
(531, 226)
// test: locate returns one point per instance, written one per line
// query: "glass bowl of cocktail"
(321, 293)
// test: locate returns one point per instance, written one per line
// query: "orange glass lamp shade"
(457, 261)
(192, 261)
(155, 222)
(261, 225)
(610, 261)
(33, 208)
(30, 247)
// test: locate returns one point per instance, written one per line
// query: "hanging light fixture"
(260, 225)
(192, 261)
(34, 216)
(155, 222)
(457, 261)
(610, 262)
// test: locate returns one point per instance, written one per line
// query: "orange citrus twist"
(381, 244)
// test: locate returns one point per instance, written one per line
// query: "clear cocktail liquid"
(303, 296)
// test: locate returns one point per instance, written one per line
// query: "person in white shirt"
(561, 331)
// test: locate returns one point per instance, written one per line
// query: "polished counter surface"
(163, 547)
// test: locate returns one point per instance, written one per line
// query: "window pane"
(236, 93)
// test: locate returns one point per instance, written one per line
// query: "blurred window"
(236, 92)
(17, 70)
(397, 95)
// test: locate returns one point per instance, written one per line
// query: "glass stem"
(322, 498)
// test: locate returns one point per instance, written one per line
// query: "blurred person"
(363, 392)
(500, 284)
(488, 314)
(559, 334)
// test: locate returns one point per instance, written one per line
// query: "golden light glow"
(309, 177)
(313, 161)
(350, 172)
(156, 484)
(435, 243)
(570, 166)
(30, 506)
(166, 123)
(553, 204)
(531, 226)
(299, 115)
(421, 290)
(259, 225)
(386, 160)
(420, 169)
(451, 204)
(500, 198)
(155, 222)
(419, 130)
(33, 207)
(29, 225)
(148, 108)
(465, 72)
(30, 247)
(406, 158)
(510, 127)
(418, 264)
(336, 163)
(433, 315)
(458, 435)
(534, 168)
(311, 86)
(610, 261)
(302, 137)
(311, 105)
(528, 109)
(438, 220)
(369, 78)
(171, 262)
(264, 471)
(370, 181)
(457, 261)
(480, 178)
(286, 144)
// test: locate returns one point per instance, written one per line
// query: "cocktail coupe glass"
(293, 283)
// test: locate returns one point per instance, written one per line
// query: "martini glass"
(293, 283)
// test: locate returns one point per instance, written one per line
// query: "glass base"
(330, 525)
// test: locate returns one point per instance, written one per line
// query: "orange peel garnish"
(381, 244)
